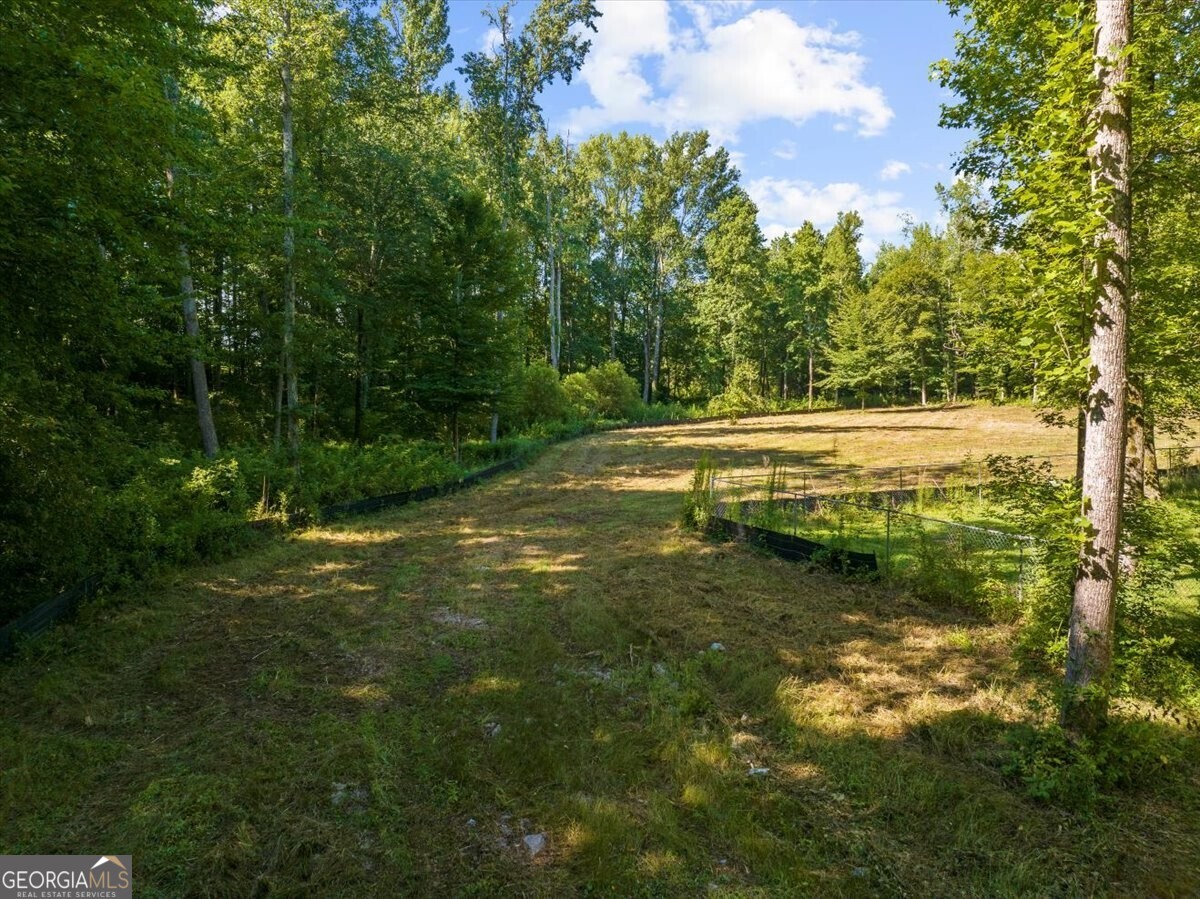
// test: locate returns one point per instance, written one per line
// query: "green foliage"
(742, 396)
(1151, 666)
(540, 396)
(605, 391)
(1075, 773)
(698, 502)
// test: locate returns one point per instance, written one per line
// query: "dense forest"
(302, 240)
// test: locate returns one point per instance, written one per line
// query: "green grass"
(386, 706)
(918, 544)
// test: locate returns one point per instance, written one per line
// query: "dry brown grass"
(329, 716)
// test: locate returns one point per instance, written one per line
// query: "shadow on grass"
(394, 704)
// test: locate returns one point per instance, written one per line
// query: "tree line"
(267, 222)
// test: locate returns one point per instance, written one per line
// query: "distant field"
(390, 706)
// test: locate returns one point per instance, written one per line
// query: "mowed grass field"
(391, 705)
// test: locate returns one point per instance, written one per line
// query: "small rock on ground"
(457, 619)
(535, 843)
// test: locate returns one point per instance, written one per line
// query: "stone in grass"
(717, 647)
(759, 772)
(535, 843)
(349, 797)
(491, 729)
(456, 619)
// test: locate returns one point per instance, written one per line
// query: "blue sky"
(824, 105)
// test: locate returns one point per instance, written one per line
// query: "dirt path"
(392, 705)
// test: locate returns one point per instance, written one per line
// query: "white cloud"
(785, 150)
(763, 65)
(785, 204)
(492, 40)
(626, 32)
(706, 13)
(893, 170)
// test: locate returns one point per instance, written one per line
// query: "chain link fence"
(960, 554)
(1176, 464)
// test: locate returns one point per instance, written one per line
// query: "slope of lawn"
(389, 706)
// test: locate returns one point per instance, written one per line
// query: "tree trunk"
(279, 390)
(218, 316)
(1135, 442)
(810, 377)
(924, 397)
(191, 324)
(1089, 648)
(555, 311)
(646, 362)
(1080, 438)
(360, 381)
(1153, 489)
(289, 251)
(658, 329)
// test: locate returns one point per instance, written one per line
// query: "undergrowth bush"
(540, 397)
(698, 503)
(1074, 773)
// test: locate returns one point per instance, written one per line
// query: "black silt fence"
(795, 549)
(391, 500)
(42, 617)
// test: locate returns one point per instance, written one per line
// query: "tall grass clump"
(699, 504)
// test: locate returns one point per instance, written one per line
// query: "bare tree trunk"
(1153, 489)
(360, 381)
(1135, 445)
(1080, 438)
(1089, 649)
(658, 327)
(612, 330)
(191, 324)
(646, 363)
(279, 389)
(558, 320)
(924, 396)
(553, 285)
(289, 250)
(810, 376)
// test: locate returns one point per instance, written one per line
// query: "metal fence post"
(887, 544)
(1020, 571)
(795, 514)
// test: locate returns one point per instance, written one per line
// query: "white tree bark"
(1089, 652)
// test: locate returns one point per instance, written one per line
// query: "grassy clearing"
(388, 706)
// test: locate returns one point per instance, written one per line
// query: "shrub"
(581, 395)
(1073, 773)
(617, 395)
(540, 396)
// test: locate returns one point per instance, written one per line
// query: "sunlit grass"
(389, 706)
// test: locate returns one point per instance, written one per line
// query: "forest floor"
(410, 704)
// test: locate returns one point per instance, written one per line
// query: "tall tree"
(1089, 650)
